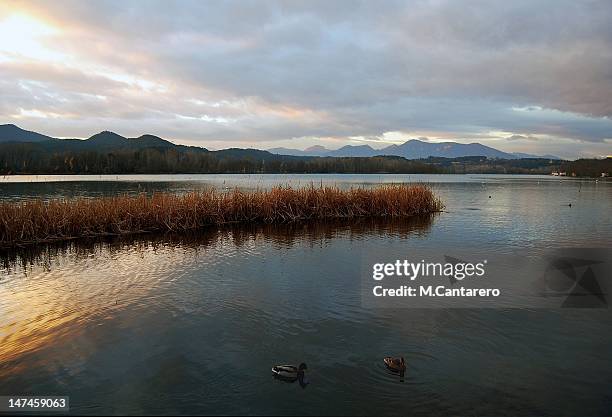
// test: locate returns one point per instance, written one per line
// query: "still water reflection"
(185, 324)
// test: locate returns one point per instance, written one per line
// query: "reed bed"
(37, 221)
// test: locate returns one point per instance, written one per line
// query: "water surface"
(192, 323)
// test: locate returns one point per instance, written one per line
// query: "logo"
(576, 281)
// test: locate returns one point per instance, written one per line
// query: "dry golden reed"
(43, 221)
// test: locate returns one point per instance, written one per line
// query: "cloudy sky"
(527, 76)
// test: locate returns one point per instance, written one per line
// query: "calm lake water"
(188, 324)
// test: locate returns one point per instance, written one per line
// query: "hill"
(12, 133)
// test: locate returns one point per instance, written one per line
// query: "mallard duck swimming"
(395, 364)
(289, 371)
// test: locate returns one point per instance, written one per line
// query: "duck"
(291, 373)
(395, 364)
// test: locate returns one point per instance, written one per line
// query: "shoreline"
(220, 179)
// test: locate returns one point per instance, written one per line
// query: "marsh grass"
(36, 221)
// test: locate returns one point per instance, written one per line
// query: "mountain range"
(412, 149)
(27, 152)
(10, 133)
(107, 141)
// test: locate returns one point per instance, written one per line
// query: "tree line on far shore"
(28, 158)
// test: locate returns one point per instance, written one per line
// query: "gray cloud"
(262, 71)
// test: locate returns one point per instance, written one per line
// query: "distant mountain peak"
(107, 134)
(366, 146)
(151, 140)
(12, 133)
(107, 138)
(316, 148)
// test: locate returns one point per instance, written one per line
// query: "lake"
(192, 323)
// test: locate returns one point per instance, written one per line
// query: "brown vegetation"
(40, 221)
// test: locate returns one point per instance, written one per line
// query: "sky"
(521, 76)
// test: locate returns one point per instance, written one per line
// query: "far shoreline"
(154, 177)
